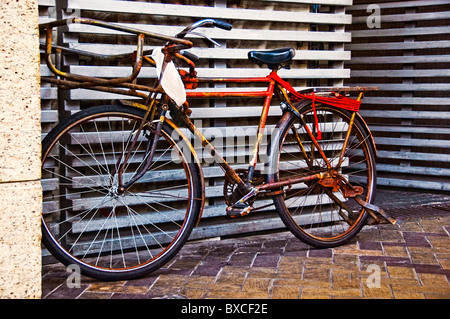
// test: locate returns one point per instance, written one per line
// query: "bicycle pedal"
(238, 211)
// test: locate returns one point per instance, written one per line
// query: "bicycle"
(126, 185)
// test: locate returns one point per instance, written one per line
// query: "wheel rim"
(89, 220)
(322, 213)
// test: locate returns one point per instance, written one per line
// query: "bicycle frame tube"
(268, 94)
(218, 158)
(260, 132)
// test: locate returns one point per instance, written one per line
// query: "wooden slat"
(399, 4)
(216, 53)
(396, 32)
(114, 72)
(385, 18)
(203, 11)
(402, 59)
(402, 73)
(435, 143)
(411, 129)
(322, 2)
(413, 184)
(409, 101)
(46, 3)
(409, 86)
(415, 45)
(219, 34)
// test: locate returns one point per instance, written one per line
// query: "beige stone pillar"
(20, 148)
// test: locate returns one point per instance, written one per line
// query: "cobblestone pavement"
(409, 260)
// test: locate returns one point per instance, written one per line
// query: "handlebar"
(204, 23)
(113, 26)
(174, 45)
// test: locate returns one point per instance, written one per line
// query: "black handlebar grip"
(223, 25)
(190, 56)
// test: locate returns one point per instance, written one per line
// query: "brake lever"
(205, 37)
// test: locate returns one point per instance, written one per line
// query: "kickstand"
(373, 210)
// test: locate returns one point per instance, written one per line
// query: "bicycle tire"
(320, 216)
(86, 221)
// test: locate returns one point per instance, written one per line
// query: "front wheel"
(88, 221)
(319, 213)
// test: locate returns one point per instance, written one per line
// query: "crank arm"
(342, 205)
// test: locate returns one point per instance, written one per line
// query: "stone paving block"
(343, 269)
(345, 281)
(444, 261)
(416, 239)
(413, 226)
(266, 260)
(324, 253)
(322, 283)
(199, 281)
(424, 258)
(262, 272)
(444, 296)
(168, 280)
(344, 259)
(433, 226)
(185, 263)
(346, 293)
(243, 259)
(408, 295)
(286, 267)
(64, 292)
(318, 263)
(315, 293)
(193, 293)
(95, 295)
(391, 235)
(370, 245)
(285, 292)
(440, 243)
(162, 292)
(257, 285)
(400, 281)
(229, 281)
(396, 251)
(354, 250)
(434, 279)
(384, 292)
(118, 287)
(401, 272)
(414, 263)
(317, 274)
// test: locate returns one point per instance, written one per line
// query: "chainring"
(231, 191)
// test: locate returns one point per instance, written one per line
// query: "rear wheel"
(320, 212)
(87, 220)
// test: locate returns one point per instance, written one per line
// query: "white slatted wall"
(409, 59)
(262, 24)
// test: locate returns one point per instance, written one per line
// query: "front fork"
(122, 162)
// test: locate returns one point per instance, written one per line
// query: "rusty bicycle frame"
(127, 86)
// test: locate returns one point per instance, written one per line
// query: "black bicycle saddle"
(272, 58)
